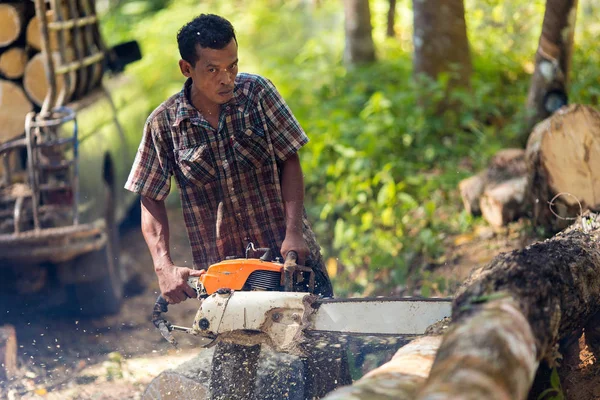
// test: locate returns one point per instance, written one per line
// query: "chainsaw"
(261, 300)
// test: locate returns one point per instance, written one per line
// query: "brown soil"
(64, 357)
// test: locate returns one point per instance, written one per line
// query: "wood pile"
(554, 180)
(24, 71)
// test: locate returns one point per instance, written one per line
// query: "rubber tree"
(440, 40)
(548, 89)
(360, 48)
(391, 19)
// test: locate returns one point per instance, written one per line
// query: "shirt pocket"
(196, 166)
(251, 148)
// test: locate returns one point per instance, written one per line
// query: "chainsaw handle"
(291, 256)
(289, 268)
(162, 306)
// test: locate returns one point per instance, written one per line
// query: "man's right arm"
(155, 228)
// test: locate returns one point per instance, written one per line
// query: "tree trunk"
(391, 19)
(8, 352)
(12, 62)
(563, 154)
(11, 21)
(511, 313)
(360, 48)
(548, 89)
(440, 40)
(14, 106)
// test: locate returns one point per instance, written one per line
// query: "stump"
(8, 352)
(14, 106)
(12, 62)
(563, 155)
(11, 20)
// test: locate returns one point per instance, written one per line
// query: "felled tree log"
(507, 164)
(11, 21)
(397, 379)
(563, 155)
(511, 313)
(12, 62)
(505, 202)
(14, 106)
(8, 352)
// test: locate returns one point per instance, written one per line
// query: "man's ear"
(185, 68)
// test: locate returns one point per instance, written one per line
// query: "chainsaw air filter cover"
(243, 274)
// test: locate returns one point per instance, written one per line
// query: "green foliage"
(554, 392)
(382, 166)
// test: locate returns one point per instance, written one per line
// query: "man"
(231, 142)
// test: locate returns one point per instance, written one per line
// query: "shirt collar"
(186, 110)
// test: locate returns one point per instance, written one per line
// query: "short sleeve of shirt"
(286, 133)
(150, 174)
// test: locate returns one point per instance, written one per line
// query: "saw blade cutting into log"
(256, 300)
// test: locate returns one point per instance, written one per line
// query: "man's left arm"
(292, 187)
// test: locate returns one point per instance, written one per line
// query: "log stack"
(23, 65)
(555, 179)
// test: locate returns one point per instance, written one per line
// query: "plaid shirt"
(228, 178)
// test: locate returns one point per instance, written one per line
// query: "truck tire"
(102, 296)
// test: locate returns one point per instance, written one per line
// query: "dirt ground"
(64, 357)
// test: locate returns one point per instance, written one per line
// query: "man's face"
(214, 73)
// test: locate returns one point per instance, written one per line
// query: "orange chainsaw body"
(234, 274)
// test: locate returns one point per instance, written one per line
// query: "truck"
(62, 174)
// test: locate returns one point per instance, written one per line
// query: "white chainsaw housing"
(280, 319)
(275, 318)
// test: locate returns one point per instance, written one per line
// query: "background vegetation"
(381, 169)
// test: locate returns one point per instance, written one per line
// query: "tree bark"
(360, 48)
(12, 62)
(563, 156)
(510, 314)
(440, 40)
(14, 106)
(391, 19)
(548, 88)
(11, 21)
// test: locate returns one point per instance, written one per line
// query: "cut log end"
(10, 23)
(14, 106)
(35, 80)
(12, 62)
(564, 157)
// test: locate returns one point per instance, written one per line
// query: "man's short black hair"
(207, 30)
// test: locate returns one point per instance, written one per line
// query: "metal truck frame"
(61, 196)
